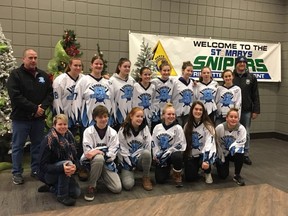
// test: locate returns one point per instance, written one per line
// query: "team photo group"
(182, 127)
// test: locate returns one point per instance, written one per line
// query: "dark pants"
(162, 173)
(63, 185)
(192, 166)
(223, 168)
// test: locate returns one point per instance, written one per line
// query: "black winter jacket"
(26, 92)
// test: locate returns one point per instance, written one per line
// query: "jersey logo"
(99, 93)
(128, 92)
(163, 94)
(145, 101)
(207, 95)
(72, 94)
(186, 97)
(196, 137)
(41, 80)
(226, 99)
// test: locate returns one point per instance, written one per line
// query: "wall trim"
(266, 135)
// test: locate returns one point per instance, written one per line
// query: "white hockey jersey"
(122, 97)
(203, 143)
(166, 141)
(91, 92)
(206, 94)
(64, 95)
(163, 95)
(132, 146)
(227, 98)
(231, 141)
(109, 144)
(183, 96)
(144, 98)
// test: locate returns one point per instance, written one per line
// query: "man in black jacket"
(30, 92)
(250, 98)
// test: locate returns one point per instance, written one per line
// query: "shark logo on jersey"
(128, 92)
(226, 99)
(164, 140)
(228, 140)
(145, 101)
(99, 93)
(134, 147)
(196, 137)
(163, 94)
(41, 80)
(155, 116)
(72, 95)
(207, 95)
(186, 97)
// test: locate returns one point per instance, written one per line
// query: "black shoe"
(66, 200)
(17, 179)
(239, 180)
(247, 160)
(44, 188)
(34, 175)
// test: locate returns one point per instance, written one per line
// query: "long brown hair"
(127, 124)
(120, 63)
(67, 69)
(188, 129)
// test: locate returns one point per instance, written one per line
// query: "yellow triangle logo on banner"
(159, 56)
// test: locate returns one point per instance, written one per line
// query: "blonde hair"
(60, 117)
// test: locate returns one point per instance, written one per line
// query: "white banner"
(264, 59)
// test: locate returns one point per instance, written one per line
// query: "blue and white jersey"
(183, 96)
(91, 92)
(122, 97)
(206, 94)
(203, 143)
(64, 95)
(231, 141)
(163, 95)
(167, 140)
(109, 145)
(132, 146)
(227, 98)
(144, 98)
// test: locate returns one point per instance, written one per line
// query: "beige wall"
(41, 23)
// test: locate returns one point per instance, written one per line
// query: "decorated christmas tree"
(65, 48)
(7, 64)
(144, 59)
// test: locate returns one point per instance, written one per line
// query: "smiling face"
(187, 72)
(146, 76)
(228, 78)
(165, 72)
(232, 119)
(61, 126)
(169, 115)
(137, 118)
(101, 120)
(241, 66)
(124, 69)
(206, 75)
(197, 112)
(30, 59)
(75, 67)
(97, 66)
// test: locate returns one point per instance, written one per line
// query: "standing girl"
(168, 144)
(183, 95)
(91, 90)
(228, 96)
(205, 91)
(164, 88)
(135, 149)
(231, 137)
(144, 93)
(122, 86)
(63, 90)
(201, 147)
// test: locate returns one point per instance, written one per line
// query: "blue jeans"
(245, 120)
(63, 185)
(21, 130)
